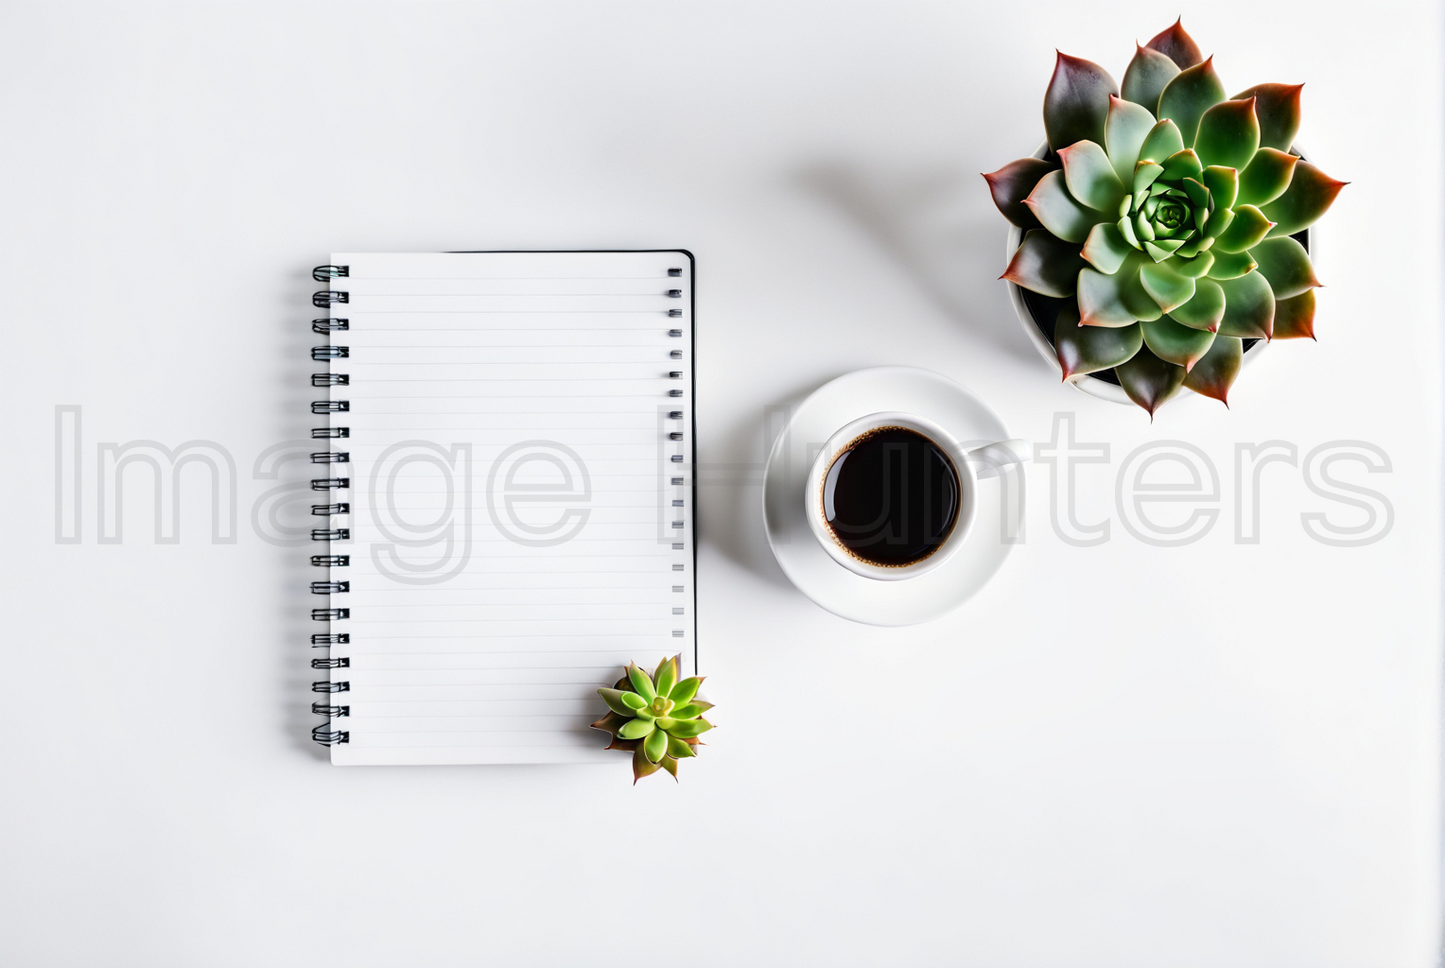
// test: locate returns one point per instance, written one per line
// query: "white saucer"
(822, 579)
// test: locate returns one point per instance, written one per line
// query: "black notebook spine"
(333, 731)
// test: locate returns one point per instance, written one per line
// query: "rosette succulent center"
(1165, 220)
(657, 717)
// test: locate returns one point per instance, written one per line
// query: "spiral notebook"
(508, 497)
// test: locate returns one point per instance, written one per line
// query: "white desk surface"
(1123, 755)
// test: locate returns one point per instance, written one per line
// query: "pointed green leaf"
(1162, 249)
(1148, 380)
(1195, 246)
(679, 748)
(666, 676)
(632, 701)
(1146, 76)
(1011, 184)
(1173, 343)
(1228, 134)
(1176, 44)
(1125, 226)
(1213, 375)
(1115, 300)
(683, 692)
(1198, 194)
(1144, 175)
(1223, 185)
(1181, 165)
(1294, 318)
(691, 710)
(1105, 249)
(615, 702)
(691, 728)
(636, 729)
(1143, 228)
(1194, 268)
(1204, 311)
(1076, 102)
(1267, 176)
(1247, 230)
(1231, 265)
(1248, 307)
(1125, 129)
(1088, 349)
(1286, 265)
(1163, 140)
(1090, 176)
(1057, 210)
(1310, 194)
(1277, 107)
(641, 682)
(669, 764)
(655, 745)
(1185, 99)
(1168, 288)
(1221, 221)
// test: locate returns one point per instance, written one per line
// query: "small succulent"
(1165, 215)
(658, 717)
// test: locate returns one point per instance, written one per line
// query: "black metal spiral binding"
(325, 734)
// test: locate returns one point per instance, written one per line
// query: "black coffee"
(891, 498)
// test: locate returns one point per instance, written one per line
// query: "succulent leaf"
(1163, 140)
(1145, 77)
(1231, 265)
(1195, 268)
(615, 702)
(1045, 264)
(691, 728)
(1105, 249)
(1176, 44)
(1115, 300)
(1090, 176)
(683, 692)
(669, 763)
(1247, 230)
(691, 710)
(1181, 345)
(1214, 374)
(679, 748)
(641, 765)
(1286, 264)
(1057, 210)
(1076, 102)
(666, 675)
(655, 745)
(636, 728)
(1294, 318)
(1125, 128)
(1185, 99)
(641, 682)
(1204, 311)
(1167, 288)
(1011, 184)
(1310, 194)
(1183, 164)
(1266, 176)
(632, 701)
(1228, 134)
(1218, 225)
(1088, 349)
(1148, 380)
(1278, 110)
(1248, 307)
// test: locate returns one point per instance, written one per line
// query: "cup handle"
(990, 459)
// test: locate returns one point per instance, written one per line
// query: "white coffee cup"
(969, 467)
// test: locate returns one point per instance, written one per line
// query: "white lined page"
(519, 527)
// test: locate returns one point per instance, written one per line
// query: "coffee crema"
(891, 497)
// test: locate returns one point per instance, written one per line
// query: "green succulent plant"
(1165, 216)
(658, 717)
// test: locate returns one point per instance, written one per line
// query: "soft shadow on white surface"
(935, 226)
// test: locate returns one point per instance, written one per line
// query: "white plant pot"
(1091, 385)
